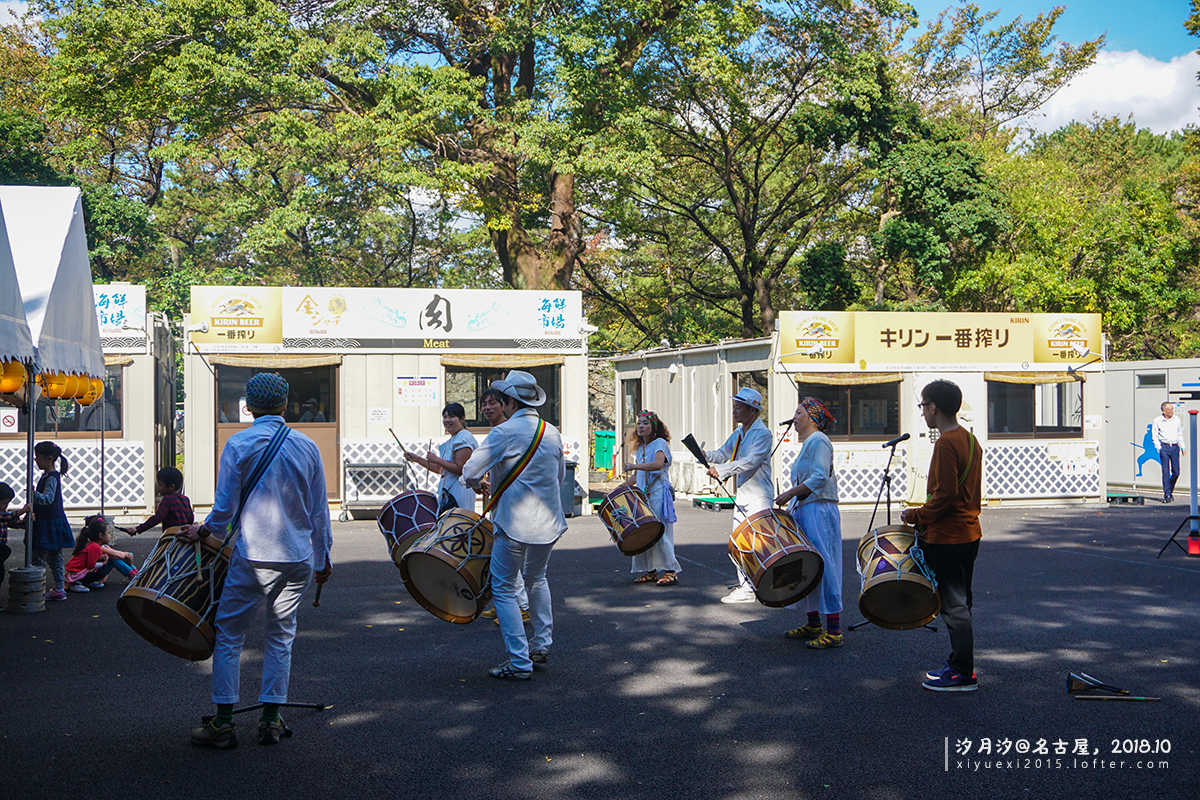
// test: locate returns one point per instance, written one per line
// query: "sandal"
(668, 579)
(649, 577)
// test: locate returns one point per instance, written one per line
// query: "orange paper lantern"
(53, 386)
(12, 378)
(95, 388)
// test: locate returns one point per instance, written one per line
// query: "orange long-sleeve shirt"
(951, 514)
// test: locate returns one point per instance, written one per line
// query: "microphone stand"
(782, 436)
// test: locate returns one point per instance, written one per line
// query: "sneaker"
(210, 734)
(742, 594)
(538, 656)
(56, 594)
(934, 674)
(97, 585)
(269, 732)
(506, 672)
(827, 640)
(807, 632)
(489, 614)
(951, 681)
(77, 587)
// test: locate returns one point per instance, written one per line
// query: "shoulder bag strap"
(260, 467)
(526, 457)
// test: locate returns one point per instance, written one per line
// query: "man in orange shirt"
(950, 533)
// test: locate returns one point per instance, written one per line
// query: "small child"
(8, 518)
(174, 510)
(93, 559)
(51, 531)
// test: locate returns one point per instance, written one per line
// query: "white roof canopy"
(49, 251)
(15, 341)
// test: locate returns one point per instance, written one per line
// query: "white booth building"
(370, 371)
(1026, 395)
(1136, 391)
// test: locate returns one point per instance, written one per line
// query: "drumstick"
(689, 442)
(317, 599)
(197, 544)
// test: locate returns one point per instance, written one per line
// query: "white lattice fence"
(124, 473)
(1036, 470)
(856, 484)
(372, 473)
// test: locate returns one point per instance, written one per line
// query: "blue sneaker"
(951, 681)
(934, 674)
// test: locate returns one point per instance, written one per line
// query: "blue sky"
(1151, 27)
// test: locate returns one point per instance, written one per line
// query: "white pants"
(659, 557)
(247, 584)
(511, 559)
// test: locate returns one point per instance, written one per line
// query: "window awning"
(274, 361)
(848, 378)
(500, 361)
(118, 361)
(1034, 377)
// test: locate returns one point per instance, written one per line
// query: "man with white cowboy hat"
(746, 454)
(529, 519)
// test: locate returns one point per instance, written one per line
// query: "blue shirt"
(286, 517)
(813, 468)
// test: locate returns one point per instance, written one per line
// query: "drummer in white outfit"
(529, 519)
(448, 462)
(653, 456)
(746, 454)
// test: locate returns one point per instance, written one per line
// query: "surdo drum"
(405, 519)
(782, 564)
(448, 568)
(895, 593)
(173, 600)
(627, 515)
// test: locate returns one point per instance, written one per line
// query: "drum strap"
(526, 457)
(260, 467)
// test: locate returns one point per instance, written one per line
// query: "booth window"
(67, 419)
(631, 401)
(1035, 410)
(465, 385)
(1158, 381)
(756, 380)
(865, 411)
(312, 394)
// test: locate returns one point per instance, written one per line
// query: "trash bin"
(567, 490)
(605, 442)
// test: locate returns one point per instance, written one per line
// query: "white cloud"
(1161, 96)
(17, 7)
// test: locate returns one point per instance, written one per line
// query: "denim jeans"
(509, 559)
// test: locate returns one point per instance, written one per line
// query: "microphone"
(788, 421)
(901, 438)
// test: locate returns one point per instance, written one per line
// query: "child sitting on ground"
(174, 510)
(93, 559)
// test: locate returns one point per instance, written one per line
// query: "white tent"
(48, 244)
(49, 251)
(15, 341)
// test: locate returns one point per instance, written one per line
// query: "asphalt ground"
(649, 691)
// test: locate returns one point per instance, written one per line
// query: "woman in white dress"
(649, 473)
(449, 460)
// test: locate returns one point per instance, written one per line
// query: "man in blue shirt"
(283, 534)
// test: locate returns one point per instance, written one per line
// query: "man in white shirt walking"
(528, 520)
(746, 454)
(1168, 440)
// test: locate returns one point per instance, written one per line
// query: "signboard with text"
(896, 340)
(121, 316)
(314, 319)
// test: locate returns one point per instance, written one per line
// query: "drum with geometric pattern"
(405, 519)
(625, 511)
(782, 563)
(173, 600)
(448, 569)
(895, 593)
